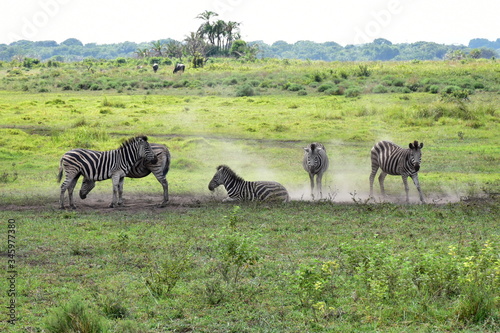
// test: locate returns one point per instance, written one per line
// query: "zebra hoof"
(163, 204)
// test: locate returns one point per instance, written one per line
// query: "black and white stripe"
(397, 161)
(239, 189)
(101, 165)
(141, 169)
(315, 163)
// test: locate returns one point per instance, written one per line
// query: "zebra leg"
(319, 187)
(311, 179)
(71, 187)
(407, 188)
(163, 181)
(117, 182)
(417, 184)
(381, 179)
(120, 191)
(372, 178)
(69, 184)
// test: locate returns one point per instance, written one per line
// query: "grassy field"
(342, 264)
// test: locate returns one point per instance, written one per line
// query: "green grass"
(335, 265)
(392, 268)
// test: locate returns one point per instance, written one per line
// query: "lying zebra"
(101, 165)
(239, 189)
(141, 169)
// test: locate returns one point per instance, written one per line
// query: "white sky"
(344, 22)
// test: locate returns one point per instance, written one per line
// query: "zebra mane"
(230, 172)
(132, 140)
(314, 146)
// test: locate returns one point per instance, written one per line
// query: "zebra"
(240, 190)
(315, 163)
(155, 67)
(394, 160)
(141, 169)
(179, 68)
(101, 165)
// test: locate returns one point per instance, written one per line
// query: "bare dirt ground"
(140, 202)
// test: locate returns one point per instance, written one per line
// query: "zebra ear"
(411, 145)
(421, 145)
(307, 149)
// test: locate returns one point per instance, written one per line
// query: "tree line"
(218, 38)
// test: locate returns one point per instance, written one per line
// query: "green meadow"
(343, 263)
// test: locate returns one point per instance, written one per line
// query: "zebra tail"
(166, 168)
(61, 169)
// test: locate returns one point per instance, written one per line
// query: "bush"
(74, 317)
(336, 90)
(324, 87)
(379, 89)
(434, 89)
(295, 87)
(245, 90)
(352, 92)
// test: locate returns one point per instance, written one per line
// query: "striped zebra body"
(397, 161)
(141, 169)
(101, 165)
(240, 190)
(315, 163)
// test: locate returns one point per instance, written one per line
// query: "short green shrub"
(74, 317)
(352, 92)
(295, 87)
(164, 277)
(379, 89)
(325, 86)
(245, 90)
(433, 89)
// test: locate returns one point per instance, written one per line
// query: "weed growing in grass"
(9, 177)
(235, 250)
(163, 277)
(76, 316)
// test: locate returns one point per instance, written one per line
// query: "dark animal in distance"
(155, 67)
(141, 169)
(239, 189)
(396, 161)
(101, 165)
(315, 163)
(179, 68)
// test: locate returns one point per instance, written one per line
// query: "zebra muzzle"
(417, 167)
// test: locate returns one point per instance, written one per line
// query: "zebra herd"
(137, 158)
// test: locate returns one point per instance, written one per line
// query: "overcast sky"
(344, 22)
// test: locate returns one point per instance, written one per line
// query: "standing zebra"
(101, 165)
(315, 162)
(239, 189)
(141, 169)
(394, 160)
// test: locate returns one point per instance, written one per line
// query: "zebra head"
(218, 178)
(223, 176)
(416, 154)
(311, 153)
(145, 151)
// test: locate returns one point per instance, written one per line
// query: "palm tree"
(206, 29)
(232, 33)
(157, 47)
(142, 53)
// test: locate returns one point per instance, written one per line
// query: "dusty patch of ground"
(136, 202)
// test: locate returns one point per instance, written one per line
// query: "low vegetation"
(345, 263)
